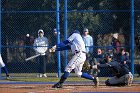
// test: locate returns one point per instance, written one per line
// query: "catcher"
(121, 74)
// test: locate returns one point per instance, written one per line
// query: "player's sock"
(5, 70)
(87, 76)
(64, 77)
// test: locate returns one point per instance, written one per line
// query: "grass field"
(54, 79)
(31, 77)
(29, 83)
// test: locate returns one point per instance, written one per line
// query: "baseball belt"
(79, 51)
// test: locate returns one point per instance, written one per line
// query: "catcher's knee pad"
(128, 78)
(107, 82)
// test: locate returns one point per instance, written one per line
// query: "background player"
(88, 40)
(41, 46)
(77, 46)
(2, 65)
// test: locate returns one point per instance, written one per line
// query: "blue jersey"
(88, 40)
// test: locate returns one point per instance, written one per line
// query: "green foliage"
(20, 17)
(28, 22)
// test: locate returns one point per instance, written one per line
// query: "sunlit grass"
(54, 79)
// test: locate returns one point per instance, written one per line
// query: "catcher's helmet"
(108, 55)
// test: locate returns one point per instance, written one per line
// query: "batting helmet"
(75, 31)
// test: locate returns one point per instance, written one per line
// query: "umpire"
(121, 74)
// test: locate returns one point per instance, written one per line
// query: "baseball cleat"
(8, 77)
(96, 81)
(129, 81)
(39, 75)
(57, 85)
(44, 75)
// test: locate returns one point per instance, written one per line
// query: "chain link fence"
(103, 18)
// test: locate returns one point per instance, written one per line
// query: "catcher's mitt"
(52, 49)
(86, 66)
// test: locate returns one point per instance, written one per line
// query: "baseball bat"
(32, 57)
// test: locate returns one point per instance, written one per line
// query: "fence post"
(132, 36)
(65, 30)
(0, 34)
(58, 36)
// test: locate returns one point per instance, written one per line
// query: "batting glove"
(52, 49)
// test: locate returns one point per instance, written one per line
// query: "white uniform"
(41, 44)
(77, 61)
(1, 62)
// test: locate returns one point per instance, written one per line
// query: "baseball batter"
(77, 46)
(2, 65)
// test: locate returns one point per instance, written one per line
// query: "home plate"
(22, 87)
(68, 88)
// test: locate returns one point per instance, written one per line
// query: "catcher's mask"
(108, 55)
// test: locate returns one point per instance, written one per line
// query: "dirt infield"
(68, 88)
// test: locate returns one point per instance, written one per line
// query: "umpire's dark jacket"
(116, 68)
